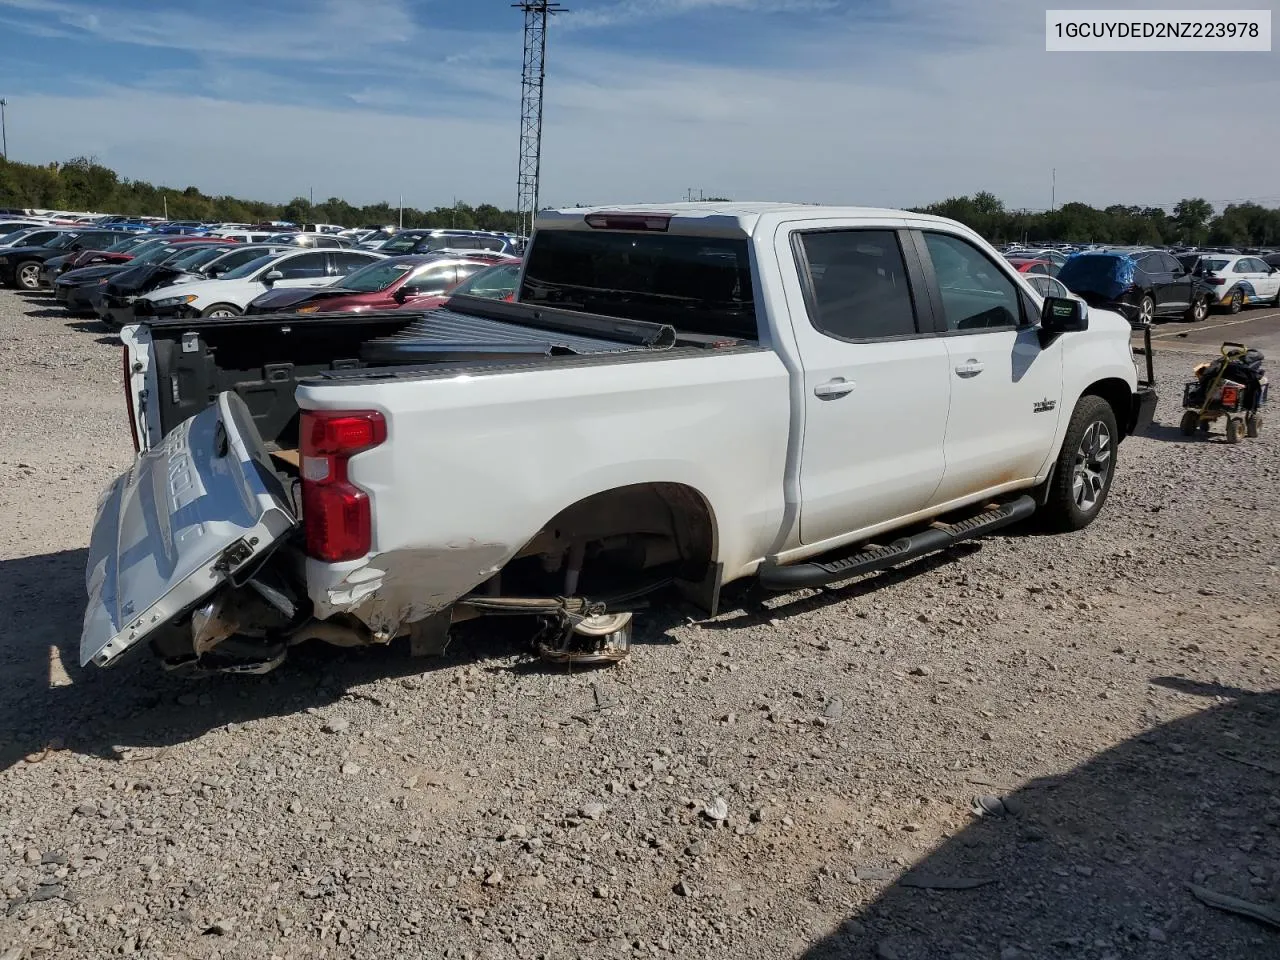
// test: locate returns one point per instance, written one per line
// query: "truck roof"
(725, 217)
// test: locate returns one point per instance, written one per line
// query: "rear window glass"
(1210, 265)
(695, 284)
(1090, 269)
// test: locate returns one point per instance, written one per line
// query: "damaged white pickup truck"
(680, 397)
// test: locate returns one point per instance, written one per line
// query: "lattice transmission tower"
(536, 15)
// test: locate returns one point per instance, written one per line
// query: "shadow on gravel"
(1096, 863)
(48, 313)
(49, 701)
(744, 604)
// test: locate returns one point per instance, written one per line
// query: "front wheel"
(1084, 469)
(27, 275)
(221, 310)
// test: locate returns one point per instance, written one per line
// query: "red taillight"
(128, 400)
(335, 512)
(629, 221)
(1216, 281)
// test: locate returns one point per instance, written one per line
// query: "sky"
(877, 102)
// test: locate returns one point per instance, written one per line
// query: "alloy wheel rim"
(29, 276)
(1092, 466)
(1145, 310)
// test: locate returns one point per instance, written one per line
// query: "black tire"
(1074, 501)
(1146, 310)
(1235, 429)
(222, 310)
(1190, 421)
(26, 275)
(1237, 301)
(1252, 425)
(1199, 309)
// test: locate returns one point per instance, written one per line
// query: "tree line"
(85, 184)
(1192, 223)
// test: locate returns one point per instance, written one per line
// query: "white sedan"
(1240, 282)
(230, 294)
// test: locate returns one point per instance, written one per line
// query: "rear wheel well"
(631, 533)
(1118, 394)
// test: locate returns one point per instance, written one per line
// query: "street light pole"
(4, 134)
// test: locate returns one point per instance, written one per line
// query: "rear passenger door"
(875, 384)
(1006, 389)
(304, 270)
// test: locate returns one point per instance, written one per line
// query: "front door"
(1006, 390)
(875, 380)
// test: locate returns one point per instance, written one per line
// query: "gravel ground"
(753, 786)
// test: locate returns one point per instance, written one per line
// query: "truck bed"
(263, 358)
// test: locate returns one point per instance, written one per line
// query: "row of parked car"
(1145, 283)
(121, 276)
(324, 235)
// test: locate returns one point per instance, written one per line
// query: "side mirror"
(404, 293)
(1061, 315)
(219, 270)
(271, 276)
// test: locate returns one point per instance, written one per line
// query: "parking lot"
(792, 779)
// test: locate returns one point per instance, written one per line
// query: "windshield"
(62, 241)
(696, 284)
(120, 246)
(401, 244)
(9, 239)
(157, 254)
(1208, 265)
(376, 276)
(250, 268)
(197, 258)
(495, 283)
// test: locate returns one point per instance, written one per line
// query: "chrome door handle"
(970, 368)
(832, 389)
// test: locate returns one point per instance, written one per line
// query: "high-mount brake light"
(335, 512)
(659, 222)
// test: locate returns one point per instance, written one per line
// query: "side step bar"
(816, 573)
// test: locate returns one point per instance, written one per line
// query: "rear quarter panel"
(475, 465)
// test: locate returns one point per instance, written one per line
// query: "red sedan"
(409, 281)
(1027, 265)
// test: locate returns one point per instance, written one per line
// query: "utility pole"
(1053, 191)
(532, 77)
(311, 196)
(4, 133)
(402, 211)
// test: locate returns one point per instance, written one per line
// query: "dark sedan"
(80, 291)
(20, 266)
(57, 266)
(114, 302)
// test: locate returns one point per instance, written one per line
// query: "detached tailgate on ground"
(199, 506)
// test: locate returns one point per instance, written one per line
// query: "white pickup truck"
(682, 396)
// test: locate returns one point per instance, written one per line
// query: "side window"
(237, 258)
(468, 270)
(490, 243)
(1169, 265)
(1242, 266)
(344, 263)
(434, 279)
(859, 284)
(307, 266)
(976, 295)
(1038, 268)
(1257, 266)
